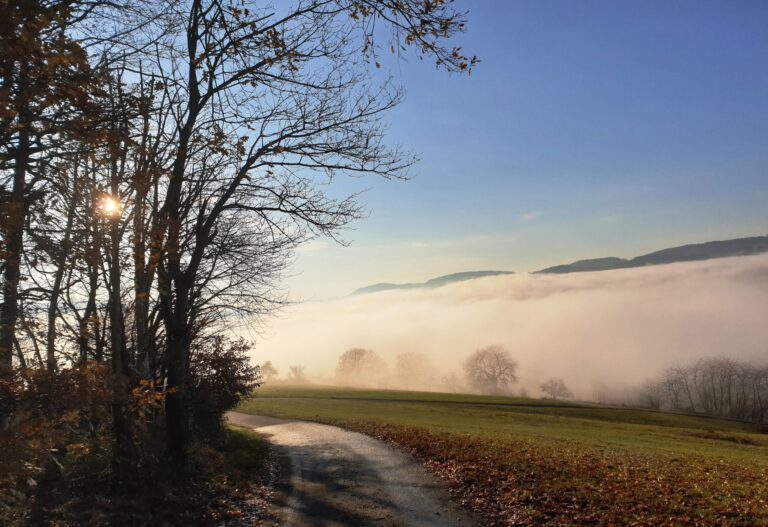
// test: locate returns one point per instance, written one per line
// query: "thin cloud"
(459, 243)
(430, 245)
(312, 247)
(529, 216)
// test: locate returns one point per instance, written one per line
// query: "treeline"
(719, 387)
(159, 162)
(489, 370)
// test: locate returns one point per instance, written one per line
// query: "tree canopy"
(361, 367)
(491, 369)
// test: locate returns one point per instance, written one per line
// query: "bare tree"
(651, 395)
(214, 132)
(556, 388)
(361, 367)
(490, 370)
(720, 387)
(297, 374)
(45, 82)
(268, 371)
(266, 103)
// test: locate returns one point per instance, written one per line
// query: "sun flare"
(110, 206)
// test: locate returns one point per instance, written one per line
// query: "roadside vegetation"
(521, 461)
(231, 484)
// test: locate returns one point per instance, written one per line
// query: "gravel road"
(332, 477)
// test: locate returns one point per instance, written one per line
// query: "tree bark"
(177, 412)
(143, 278)
(13, 226)
(9, 311)
(61, 262)
(123, 454)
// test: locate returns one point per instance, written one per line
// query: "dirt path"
(333, 477)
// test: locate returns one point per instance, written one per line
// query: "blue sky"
(590, 128)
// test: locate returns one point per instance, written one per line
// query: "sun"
(110, 206)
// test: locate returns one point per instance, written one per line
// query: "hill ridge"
(429, 284)
(682, 253)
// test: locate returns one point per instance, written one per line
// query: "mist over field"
(597, 331)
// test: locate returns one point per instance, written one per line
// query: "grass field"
(533, 462)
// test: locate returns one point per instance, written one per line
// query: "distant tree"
(412, 370)
(268, 371)
(297, 374)
(716, 386)
(490, 369)
(556, 389)
(651, 395)
(452, 383)
(361, 367)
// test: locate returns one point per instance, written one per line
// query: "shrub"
(221, 376)
(52, 422)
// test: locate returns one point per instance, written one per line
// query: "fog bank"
(609, 328)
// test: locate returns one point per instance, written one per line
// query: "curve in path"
(334, 477)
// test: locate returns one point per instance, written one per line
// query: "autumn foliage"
(518, 482)
(60, 424)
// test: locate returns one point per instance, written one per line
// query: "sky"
(589, 129)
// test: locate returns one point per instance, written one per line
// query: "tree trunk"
(20, 355)
(61, 262)
(143, 278)
(32, 338)
(91, 323)
(9, 311)
(123, 455)
(13, 227)
(176, 410)
(89, 317)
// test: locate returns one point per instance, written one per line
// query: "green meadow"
(522, 461)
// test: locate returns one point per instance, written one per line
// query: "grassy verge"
(523, 462)
(228, 484)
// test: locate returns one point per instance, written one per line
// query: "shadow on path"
(332, 477)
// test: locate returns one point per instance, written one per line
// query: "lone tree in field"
(490, 370)
(361, 367)
(556, 389)
(297, 374)
(268, 371)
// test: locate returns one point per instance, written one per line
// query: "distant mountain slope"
(705, 251)
(594, 264)
(684, 253)
(433, 283)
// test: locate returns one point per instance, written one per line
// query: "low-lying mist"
(597, 331)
